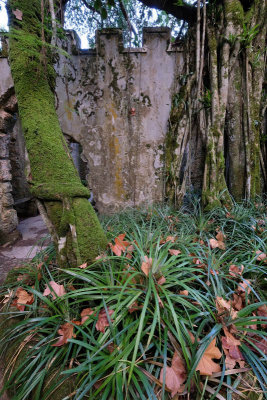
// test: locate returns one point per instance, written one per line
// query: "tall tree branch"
(126, 17)
(182, 11)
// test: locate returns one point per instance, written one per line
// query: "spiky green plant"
(153, 315)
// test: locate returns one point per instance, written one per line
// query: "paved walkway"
(33, 232)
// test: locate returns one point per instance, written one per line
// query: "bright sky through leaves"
(3, 16)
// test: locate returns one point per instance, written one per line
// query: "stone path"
(34, 237)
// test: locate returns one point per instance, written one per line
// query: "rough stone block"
(5, 120)
(6, 200)
(4, 141)
(5, 167)
(8, 221)
(9, 238)
(5, 187)
(11, 104)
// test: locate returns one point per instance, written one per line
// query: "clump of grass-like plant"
(175, 308)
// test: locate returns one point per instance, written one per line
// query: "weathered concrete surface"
(115, 102)
(34, 237)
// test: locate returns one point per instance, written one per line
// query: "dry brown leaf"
(261, 343)
(18, 14)
(261, 256)
(83, 266)
(175, 375)
(120, 245)
(57, 290)
(66, 332)
(22, 298)
(220, 236)
(235, 270)
(262, 312)
(146, 265)
(206, 365)
(223, 306)
(218, 242)
(184, 292)
(102, 321)
(161, 280)
(174, 252)
(85, 314)
(230, 347)
(244, 286)
(237, 302)
(170, 239)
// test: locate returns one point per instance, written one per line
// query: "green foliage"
(206, 99)
(108, 14)
(125, 361)
(248, 34)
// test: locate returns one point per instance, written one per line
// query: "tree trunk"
(54, 181)
(231, 95)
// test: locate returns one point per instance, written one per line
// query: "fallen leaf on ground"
(85, 314)
(260, 343)
(120, 245)
(261, 256)
(66, 332)
(18, 14)
(235, 270)
(22, 298)
(184, 292)
(218, 242)
(57, 290)
(262, 312)
(83, 266)
(224, 306)
(237, 302)
(230, 347)
(161, 280)
(102, 321)
(171, 239)
(206, 365)
(175, 375)
(244, 286)
(174, 252)
(146, 265)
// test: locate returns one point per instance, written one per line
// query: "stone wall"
(8, 106)
(113, 103)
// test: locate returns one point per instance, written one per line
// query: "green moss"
(212, 44)
(89, 242)
(234, 12)
(53, 174)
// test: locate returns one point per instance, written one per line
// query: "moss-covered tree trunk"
(54, 181)
(231, 92)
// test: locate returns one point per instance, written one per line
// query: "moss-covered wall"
(116, 102)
